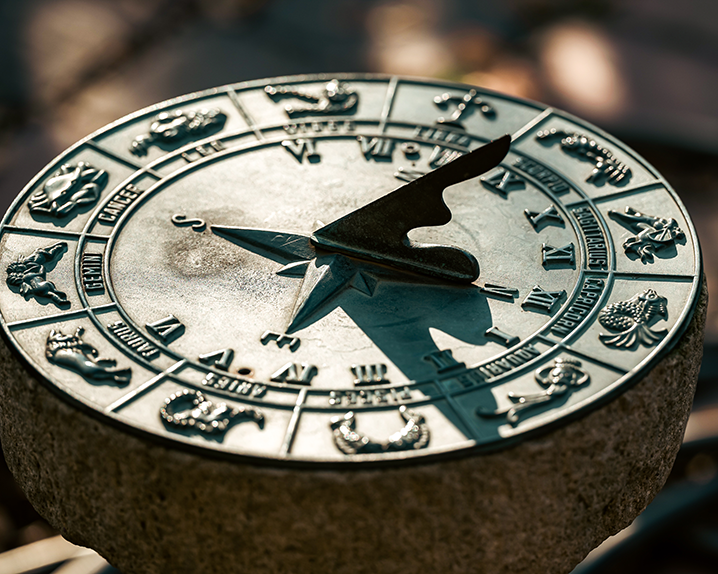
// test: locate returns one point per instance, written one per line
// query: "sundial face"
(229, 271)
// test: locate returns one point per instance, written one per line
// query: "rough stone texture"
(538, 507)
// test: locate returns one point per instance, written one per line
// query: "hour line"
(142, 389)
(292, 427)
(129, 163)
(244, 113)
(532, 124)
(71, 314)
(388, 103)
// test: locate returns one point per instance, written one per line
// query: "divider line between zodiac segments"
(128, 163)
(52, 233)
(571, 351)
(650, 186)
(539, 119)
(388, 102)
(66, 316)
(143, 388)
(293, 423)
(245, 114)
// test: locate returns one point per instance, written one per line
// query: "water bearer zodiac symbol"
(29, 274)
(336, 98)
(564, 376)
(414, 435)
(71, 352)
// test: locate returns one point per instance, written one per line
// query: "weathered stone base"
(538, 507)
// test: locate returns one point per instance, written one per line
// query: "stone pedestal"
(538, 507)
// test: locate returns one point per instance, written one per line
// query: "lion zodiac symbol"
(68, 188)
(176, 126)
(71, 352)
(29, 273)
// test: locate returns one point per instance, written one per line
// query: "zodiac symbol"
(68, 188)
(632, 319)
(414, 435)
(177, 126)
(189, 409)
(462, 107)
(652, 233)
(182, 221)
(29, 273)
(564, 376)
(605, 164)
(71, 352)
(336, 98)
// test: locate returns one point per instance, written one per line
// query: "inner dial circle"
(228, 294)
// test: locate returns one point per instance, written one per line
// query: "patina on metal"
(238, 254)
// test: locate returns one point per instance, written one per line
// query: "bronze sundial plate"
(173, 274)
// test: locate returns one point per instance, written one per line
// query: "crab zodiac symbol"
(29, 274)
(177, 126)
(69, 188)
(71, 352)
(335, 98)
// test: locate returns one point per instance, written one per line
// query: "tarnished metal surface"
(176, 290)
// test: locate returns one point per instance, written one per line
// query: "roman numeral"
(443, 361)
(296, 373)
(221, 359)
(500, 337)
(557, 255)
(369, 374)
(281, 340)
(548, 216)
(301, 147)
(542, 300)
(499, 291)
(503, 181)
(167, 329)
(377, 148)
(441, 156)
(408, 175)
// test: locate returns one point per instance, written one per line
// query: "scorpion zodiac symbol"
(336, 98)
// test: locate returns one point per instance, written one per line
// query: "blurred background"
(645, 70)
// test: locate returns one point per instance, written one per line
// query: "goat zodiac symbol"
(71, 352)
(29, 273)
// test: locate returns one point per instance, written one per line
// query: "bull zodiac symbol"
(29, 273)
(564, 376)
(68, 188)
(605, 165)
(71, 352)
(413, 436)
(189, 409)
(176, 126)
(336, 98)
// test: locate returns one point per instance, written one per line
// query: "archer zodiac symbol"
(336, 98)
(68, 188)
(652, 233)
(71, 352)
(190, 409)
(631, 319)
(177, 126)
(462, 106)
(564, 376)
(29, 274)
(413, 436)
(605, 165)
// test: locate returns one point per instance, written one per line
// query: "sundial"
(334, 279)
